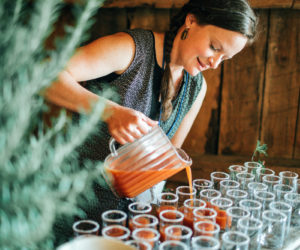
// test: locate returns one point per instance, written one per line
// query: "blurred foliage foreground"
(40, 174)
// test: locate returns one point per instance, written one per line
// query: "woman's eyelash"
(213, 48)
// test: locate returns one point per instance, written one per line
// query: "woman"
(157, 76)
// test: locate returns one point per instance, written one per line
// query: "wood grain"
(281, 97)
(242, 97)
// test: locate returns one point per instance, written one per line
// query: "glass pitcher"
(138, 166)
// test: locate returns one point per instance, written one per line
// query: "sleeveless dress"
(137, 88)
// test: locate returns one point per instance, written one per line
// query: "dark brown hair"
(234, 15)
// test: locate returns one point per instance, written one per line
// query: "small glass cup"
(284, 208)
(244, 179)
(274, 223)
(179, 233)
(236, 195)
(208, 194)
(136, 208)
(298, 186)
(220, 205)
(235, 169)
(173, 245)
(207, 228)
(280, 190)
(228, 184)
(235, 240)
(138, 244)
(113, 217)
(85, 228)
(289, 178)
(253, 228)
(263, 172)
(234, 214)
(265, 198)
(200, 184)
(204, 214)
(252, 167)
(294, 200)
(205, 243)
(270, 181)
(148, 235)
(142, 221)
(167, 201)
(184, 193)
(169, 218)
(217, 177)
(188, 208)
(253, 206)
(116, 232)
(256, 186)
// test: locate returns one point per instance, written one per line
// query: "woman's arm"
(189, 118)
(103, 56)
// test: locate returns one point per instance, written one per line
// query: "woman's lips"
(202, 66)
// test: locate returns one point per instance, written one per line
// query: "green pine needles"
(40, 174)
(260, 149)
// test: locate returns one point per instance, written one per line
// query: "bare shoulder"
(112, 53)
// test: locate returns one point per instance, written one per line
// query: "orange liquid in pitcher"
(131, 183)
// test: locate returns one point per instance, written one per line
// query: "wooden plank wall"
(253, 96)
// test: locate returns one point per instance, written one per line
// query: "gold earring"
(184, 34)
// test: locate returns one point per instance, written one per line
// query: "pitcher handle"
(112, 146)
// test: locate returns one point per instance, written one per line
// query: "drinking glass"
(85, 227)
(217, 177)
(116, 232)
(169, 218)
(280, 190)
(294, 200)
(298, 186)
(179, 233)
(204, 214)
(261, 172)
(228, 184)
(167, 201)
(173, 245)
(200, 184)
(265, 198)
(113, 217)
(289, 178)
(253, 206)
(270, 181)
(236, 195)
(274, 223)
(207, 228)
(235, 169)
(208, 194)
(205, 243)
(138, 244)
(234, 214)
(184, 193)
(142, 221)
(252, 167)
(244, 179)
(220, 205)
(253, 228)
(235, 240)
(188, 208)
(256, 186)
(138, 207)
(148, 235)
(284, 208)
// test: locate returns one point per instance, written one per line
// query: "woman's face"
(207, 46)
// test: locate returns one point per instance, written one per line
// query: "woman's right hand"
(126, 124)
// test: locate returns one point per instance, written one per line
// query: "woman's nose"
(214, 61)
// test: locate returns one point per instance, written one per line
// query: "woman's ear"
(190, 18)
